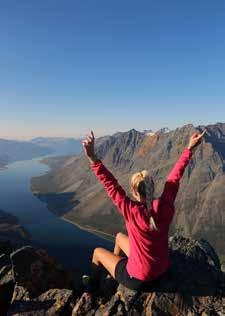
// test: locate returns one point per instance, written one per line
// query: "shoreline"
(97, 232)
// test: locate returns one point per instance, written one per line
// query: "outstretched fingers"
(200, 136)
(84, 143)
(196, 139)
(89, 140)
(90, 137)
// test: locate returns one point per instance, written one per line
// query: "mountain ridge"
(200, 204)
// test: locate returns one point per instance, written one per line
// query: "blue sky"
(69, 66)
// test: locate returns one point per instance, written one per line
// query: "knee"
(96, 252)
(118, 237)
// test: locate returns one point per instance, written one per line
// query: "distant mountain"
(59, 145)
(163, 130)
(11, 150)
(200, 204)
(159, 132)
(148, 132)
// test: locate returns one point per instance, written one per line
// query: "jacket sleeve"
(172, 184)
(113, 188)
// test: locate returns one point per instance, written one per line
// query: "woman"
(147, 221)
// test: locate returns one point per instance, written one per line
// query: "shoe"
(89, 284)
(86, 279)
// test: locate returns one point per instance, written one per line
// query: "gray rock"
(55, 302)
(86, 305)
(5, 247)
(5, 270)
(127, 296)
(37, 272)
(4, 260)
(20, 294)
(112, 307)
(6, 291)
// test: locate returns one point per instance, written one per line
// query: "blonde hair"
(142, 183)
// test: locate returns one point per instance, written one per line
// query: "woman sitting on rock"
(147, 221)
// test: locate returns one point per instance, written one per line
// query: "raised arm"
(172, 184)
(113, 188)
(109, 182)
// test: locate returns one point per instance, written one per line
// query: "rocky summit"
(31, 283)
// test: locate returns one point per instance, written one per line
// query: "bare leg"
(117, 249)
(105, 258)
(121, 243)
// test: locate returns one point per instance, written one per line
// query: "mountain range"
(59, 145)
(200, 204)
(12, 150)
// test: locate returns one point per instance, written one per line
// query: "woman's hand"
(195, 140)
(89, 147)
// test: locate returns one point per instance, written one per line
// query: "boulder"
(20, 294)
(5, 247)
(4, 260)
(37, 272)
(86, 305)
(6, 291)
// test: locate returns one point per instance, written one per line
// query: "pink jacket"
(148, 250)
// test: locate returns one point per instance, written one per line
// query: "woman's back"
(148, 249)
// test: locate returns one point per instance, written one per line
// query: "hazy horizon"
(80, 136)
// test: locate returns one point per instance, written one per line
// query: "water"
(70, 245)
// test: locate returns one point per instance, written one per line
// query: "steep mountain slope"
(200, 204)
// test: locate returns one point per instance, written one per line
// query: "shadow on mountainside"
(58, 203)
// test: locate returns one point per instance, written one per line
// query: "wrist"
(191, 149)
(93, 159)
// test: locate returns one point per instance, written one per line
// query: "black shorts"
(122, 276)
